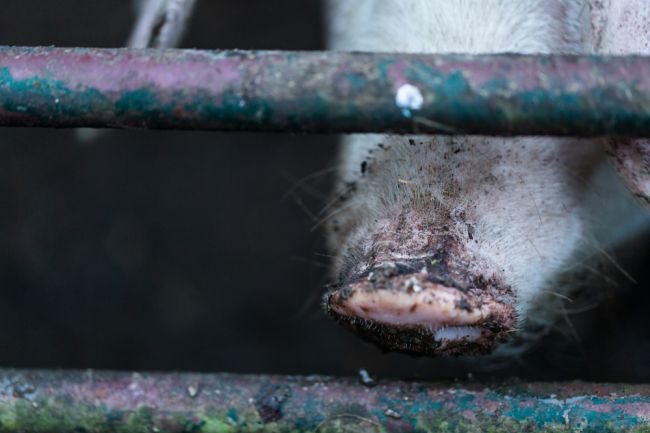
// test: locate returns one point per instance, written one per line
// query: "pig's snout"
(408, 308)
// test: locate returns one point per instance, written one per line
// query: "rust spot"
(269, 402)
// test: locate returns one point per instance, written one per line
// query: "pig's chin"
(410, 313)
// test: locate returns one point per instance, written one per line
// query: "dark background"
(150, 250)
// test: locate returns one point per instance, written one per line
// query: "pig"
(468, 245)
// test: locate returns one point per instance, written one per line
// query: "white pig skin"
(623, 27)
(170, 15)
(524, 212)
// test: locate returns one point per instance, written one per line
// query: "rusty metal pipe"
(70, 401)
(324, 91)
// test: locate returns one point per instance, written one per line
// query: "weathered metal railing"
(324, 91)
(317, 92)
(40, 401)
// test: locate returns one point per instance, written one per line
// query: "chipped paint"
(408, 99)
(501, 94)
(57, 401)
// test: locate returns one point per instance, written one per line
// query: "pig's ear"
(160, 23)
(623, 27)
(632, 160)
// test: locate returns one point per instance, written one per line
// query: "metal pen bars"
(62, 402)
(325, 92)
(317, 92)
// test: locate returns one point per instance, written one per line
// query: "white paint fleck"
(409, 98)
(192, 391)
(576, 399)
(552, 400)
(392, 414)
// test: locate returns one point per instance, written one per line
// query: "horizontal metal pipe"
(69, 401)
(325, 91)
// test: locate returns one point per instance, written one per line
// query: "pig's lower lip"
(413, 315)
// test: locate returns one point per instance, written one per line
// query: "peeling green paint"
(94, 402)
(500, 94)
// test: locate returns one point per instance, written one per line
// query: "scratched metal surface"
(47, 401)
(324, 92)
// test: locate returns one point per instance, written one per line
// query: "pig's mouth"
(411, 313)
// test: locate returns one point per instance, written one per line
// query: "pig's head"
(452, 245)
(447, 245)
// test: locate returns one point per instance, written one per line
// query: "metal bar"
(324, 91)
(69, 401)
